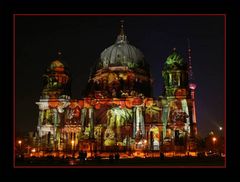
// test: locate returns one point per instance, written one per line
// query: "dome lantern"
(121, 37)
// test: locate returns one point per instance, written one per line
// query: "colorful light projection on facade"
(117, 109)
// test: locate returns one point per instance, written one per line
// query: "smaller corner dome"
(174, 61)
(56, 64)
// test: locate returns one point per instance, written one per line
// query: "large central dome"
(120, 72)
(121, 54)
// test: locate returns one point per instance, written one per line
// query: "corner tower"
(179, 116)
(55, 97)
(56, 80)
(175, 76)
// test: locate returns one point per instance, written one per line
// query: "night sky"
(82, 39)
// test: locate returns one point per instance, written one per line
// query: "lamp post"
(28, 149)
(20, 144)
(33, 152)
(214, 139)
(221, 142)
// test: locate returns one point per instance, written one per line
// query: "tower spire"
(59, 54)
(122, 26)
(190, 72)
(192, 87)
(121, 37)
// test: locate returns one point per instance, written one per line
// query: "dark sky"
(82, 39)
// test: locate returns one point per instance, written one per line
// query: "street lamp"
(20, 144)
(214, 139)
(33, 151)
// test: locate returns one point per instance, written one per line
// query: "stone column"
(165, 119)
(91, 120)
(160, 135)
(170, 78)
(147, 127)
(40, 121)
(55, 123)
(134, 122)
(178, 79)
(141, 120)
(83, 117)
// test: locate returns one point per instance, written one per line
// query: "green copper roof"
(174, 61)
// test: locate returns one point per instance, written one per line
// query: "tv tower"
(192, 87)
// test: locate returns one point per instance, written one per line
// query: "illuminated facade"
(118, 111)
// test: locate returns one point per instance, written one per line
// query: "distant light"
(72, 141)
(145, 141)
(220, 128)
(19, 141)
(33, 150)
(214, 139)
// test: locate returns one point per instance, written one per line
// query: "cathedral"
(118, 111)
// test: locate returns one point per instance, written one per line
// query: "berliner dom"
(118, 111)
